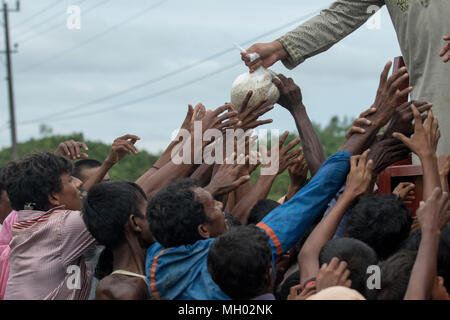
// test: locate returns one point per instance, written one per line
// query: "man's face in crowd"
(89, 172)
(213, 210)
(69, 196)
(146, 236)
(5, 205)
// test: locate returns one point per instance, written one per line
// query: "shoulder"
(118, 287)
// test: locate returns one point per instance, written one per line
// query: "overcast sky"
(123, 43)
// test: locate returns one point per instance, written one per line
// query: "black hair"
(358, 255)
(443, 260)
(395, 275)
(107, 208)
(285, 287)
(239, 261)
(261, 209)
(232, 221)
(32, 179)
(174, 214)
(381, 221)
(83, 164)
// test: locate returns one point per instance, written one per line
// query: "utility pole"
(9, 78)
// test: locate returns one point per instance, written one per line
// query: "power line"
(32, 29)
(61, 53)
(58, 25)
(25, 21)
(164, 76)
(154, 95)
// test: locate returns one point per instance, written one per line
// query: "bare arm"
(121, 147)
(262, 186)
(358, 181)
(424, 144)
(433, 215)
(291, 99)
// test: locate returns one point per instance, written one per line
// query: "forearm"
(321, 32)
(203, 174)
(424, 271)
(431, 179)
(259, 191)
(161, 162)
(358, 142)
(312, 147)
(309, 255)
(165, 176)
(444, 182)
(98, 176)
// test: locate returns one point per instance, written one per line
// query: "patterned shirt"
(47, 256)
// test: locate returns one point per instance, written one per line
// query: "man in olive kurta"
(421, 26)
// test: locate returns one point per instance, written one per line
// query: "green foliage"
(332, 137)
(130, 168)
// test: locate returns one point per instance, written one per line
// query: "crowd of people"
(205, 232)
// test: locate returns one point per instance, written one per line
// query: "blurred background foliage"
(130, 168)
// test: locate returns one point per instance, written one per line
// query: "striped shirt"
(47, 256)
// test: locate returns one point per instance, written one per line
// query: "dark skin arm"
(291, 99)
(386, 102)
(358, 181)
(424, 144)
(121, 147)
(432, 215)
(172, 171)
(262, 186)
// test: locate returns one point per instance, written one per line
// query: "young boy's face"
(439, 292)
(69, 196)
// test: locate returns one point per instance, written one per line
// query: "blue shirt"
(181, 273)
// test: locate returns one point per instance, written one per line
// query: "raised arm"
(315, 35)
(433, 215)
(219, 119)
(424, 144)
(291, 99)
(264, 183)
(120, 148)
(444, 169)
(358, 181)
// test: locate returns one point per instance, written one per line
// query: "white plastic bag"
(260, 82)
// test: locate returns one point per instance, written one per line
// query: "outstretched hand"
(405, 192)
(433, 214)
(426, 137)
(360, 123)
(333, 274)
(402, 121)
(71, 150)
(230, 175)
(290, 93)
(358, 180)
(248, 117)
(121, 147)
(389, 94)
